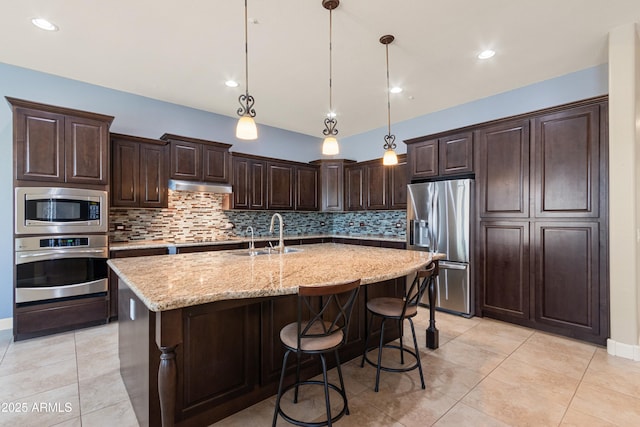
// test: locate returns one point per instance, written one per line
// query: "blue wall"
(136, 115)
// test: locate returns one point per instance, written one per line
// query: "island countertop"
(167, 282)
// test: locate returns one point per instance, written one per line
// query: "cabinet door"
(125, 174)
(423, 158)
(353, 194)
(567, 159)
(39, 145)
(502, 177)
(376, 186)
(186, 160)
(86, 151)
(306, 188)
(398, 178)
(258, 184)
(215, 164)
(456, 154)
(570, 293)
(332, 178)
(240, 182)
(280, 186)
(153, 176)
(503, 269)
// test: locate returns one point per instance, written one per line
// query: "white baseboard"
(627, 351)
(6, 323)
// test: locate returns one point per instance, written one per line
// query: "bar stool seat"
(391, 308)
(329, 310)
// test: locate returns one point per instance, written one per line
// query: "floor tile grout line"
(75, 350)
(578, 386)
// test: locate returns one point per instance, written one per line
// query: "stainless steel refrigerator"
(438, 215)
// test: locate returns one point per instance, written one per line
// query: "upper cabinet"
(138, 172)
(61, 145)
(569, 158)
(441, 155)
(372, 186)
(332, 183)
(266, 183)
(195, 159)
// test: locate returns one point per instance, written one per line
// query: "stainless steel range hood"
(203, 187)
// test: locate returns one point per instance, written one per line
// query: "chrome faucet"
(252, 247)
(280, 247)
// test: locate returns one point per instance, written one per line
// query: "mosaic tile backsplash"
(196, 216)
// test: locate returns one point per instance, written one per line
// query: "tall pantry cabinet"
(541, 234)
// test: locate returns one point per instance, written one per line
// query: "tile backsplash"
(199, 216)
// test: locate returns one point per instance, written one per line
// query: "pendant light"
(330, 144)
(246, 127)
(390, 158)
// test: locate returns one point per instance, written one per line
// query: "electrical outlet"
(361, 224)
(398, 225)
(322, 224)
(120, 227)
(350, 223)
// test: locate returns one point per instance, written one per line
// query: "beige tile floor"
(485, 373)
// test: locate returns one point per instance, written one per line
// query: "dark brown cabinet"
(307, 187)
(446, 154)
(195, 159)
(502, 176)
(249, 181)
(372, 186)
(54, 144)
(138, 172)
(332, 184)
(541, 240)
(568, 163)
(353, 187)
(280, 186)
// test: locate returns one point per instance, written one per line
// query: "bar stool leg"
(415, 344)
(295, 395)
(346, 403)
(366, 341)
(284, 366)
(401, 346)
(380, 354)
(326, 389)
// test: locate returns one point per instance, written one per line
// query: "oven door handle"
(24, 257)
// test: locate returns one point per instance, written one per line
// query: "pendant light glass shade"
(390, 158)
(330, 146)
(246, 128)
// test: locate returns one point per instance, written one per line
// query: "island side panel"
(139, 355)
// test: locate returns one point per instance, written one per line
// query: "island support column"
(433, 335)
(168, 337)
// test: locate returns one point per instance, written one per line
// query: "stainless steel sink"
(287, 250)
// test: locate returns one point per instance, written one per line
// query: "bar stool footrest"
(334, 387)
(387, 369)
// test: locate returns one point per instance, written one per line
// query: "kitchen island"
(199, 332)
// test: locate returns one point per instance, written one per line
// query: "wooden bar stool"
(398, 309)
(329, 311)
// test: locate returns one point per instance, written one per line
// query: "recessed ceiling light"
(395, 89)
(44, 24)
(231, 83)
(486, 54)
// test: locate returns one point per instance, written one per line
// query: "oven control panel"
(59, 242)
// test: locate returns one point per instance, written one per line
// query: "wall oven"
(47, 210)
(56, 267)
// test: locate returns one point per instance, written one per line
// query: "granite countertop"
(166, 282)
(141, 244)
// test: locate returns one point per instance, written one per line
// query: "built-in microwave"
(51, 210)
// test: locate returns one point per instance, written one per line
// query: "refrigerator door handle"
(452, 266)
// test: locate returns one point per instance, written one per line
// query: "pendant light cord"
(330, 64)
(388, 94)
(246, 50)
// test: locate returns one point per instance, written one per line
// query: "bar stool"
(329, 311)
(398, 309)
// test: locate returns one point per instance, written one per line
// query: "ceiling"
(183, 52)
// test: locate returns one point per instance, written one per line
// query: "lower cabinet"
(545, 275)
